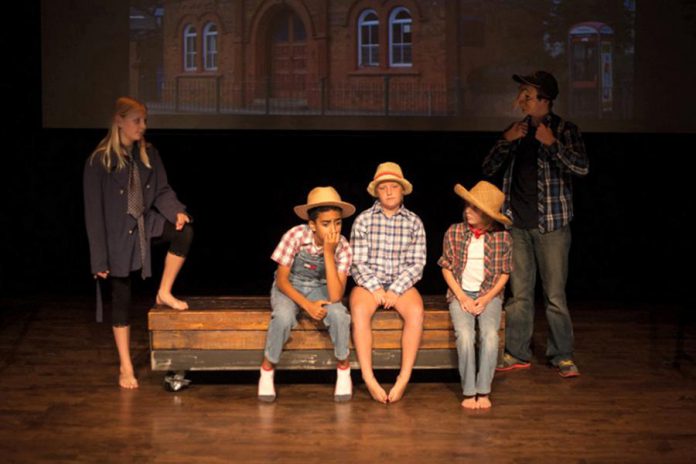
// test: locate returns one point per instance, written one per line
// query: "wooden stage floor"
(59, 401)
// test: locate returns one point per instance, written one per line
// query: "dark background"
(631, 238)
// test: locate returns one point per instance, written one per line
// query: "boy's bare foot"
(483, 402)
(469, 403)
(376, 390)
(167, 299)
(397, 391)
(126, 379)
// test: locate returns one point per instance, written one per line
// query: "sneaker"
(266, 388)
(344, 385)
(567, 368)
(510, 363)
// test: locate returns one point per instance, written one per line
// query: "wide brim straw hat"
(324, 196)
(486, 197)
(389, 172)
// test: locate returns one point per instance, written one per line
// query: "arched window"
(190, 48)
(400, 44)
(210, 47)
(368, 38)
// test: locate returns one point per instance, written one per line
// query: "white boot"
(344, 385)
(266, 388)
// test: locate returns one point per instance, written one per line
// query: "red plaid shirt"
(302, 238)
(497, 254)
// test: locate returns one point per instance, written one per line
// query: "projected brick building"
(392, 57)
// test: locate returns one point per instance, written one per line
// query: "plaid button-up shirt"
(302, 238)
(497, 255)
(556, 164)
(388, 252)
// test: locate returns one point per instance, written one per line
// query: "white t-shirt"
(472, 275)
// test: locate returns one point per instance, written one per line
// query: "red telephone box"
(591, 69)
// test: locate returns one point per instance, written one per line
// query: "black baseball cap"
(544, 82)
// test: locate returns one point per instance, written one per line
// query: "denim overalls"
(307, 276)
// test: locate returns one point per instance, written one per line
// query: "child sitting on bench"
(313, 266)
(476, 263)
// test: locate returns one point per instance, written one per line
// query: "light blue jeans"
(474, 382)
(284, 318)
(548, 252)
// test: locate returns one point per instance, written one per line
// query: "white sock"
(266, 387)
(344, 384)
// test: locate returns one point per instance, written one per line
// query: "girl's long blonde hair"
(110, 151)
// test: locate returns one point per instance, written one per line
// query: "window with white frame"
(210, 47)
(368, 38)
(190, 48)
(400, 42)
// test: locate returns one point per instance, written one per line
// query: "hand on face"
(331, 240)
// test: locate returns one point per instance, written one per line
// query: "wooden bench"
(229, 333)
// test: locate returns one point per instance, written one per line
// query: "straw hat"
(389, 171)
(486, 197)
(324, 196)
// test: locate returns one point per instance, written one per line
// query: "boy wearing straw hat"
(539, 155)
(476, 263)
(389, 256)
(314, 260)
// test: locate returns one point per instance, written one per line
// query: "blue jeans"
(284, 318)
(474, 382)
(549, 253)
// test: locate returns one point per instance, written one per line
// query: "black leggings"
(179, 245)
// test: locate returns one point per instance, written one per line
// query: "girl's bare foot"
(376, 390)
(469, 402)
(126, 379)
(483, 402)
(397, 391)
(167, 299)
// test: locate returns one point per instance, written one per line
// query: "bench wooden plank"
(215, 360)
(229, 333)
(299, 340)
(263, 302)
(253, 319)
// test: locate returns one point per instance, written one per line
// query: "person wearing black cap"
(540, 155)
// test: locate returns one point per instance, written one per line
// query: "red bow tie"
(477, 232)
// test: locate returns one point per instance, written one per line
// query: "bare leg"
(126, 378)
(410, 307)
(362, 308)
(172, 266)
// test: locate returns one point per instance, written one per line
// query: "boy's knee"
(284, 319)
(338, 313)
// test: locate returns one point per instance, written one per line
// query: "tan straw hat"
(486, 197)
(392, 172)
(324, 196)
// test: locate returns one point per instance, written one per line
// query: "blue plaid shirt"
(388, 252)
(556, 165)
